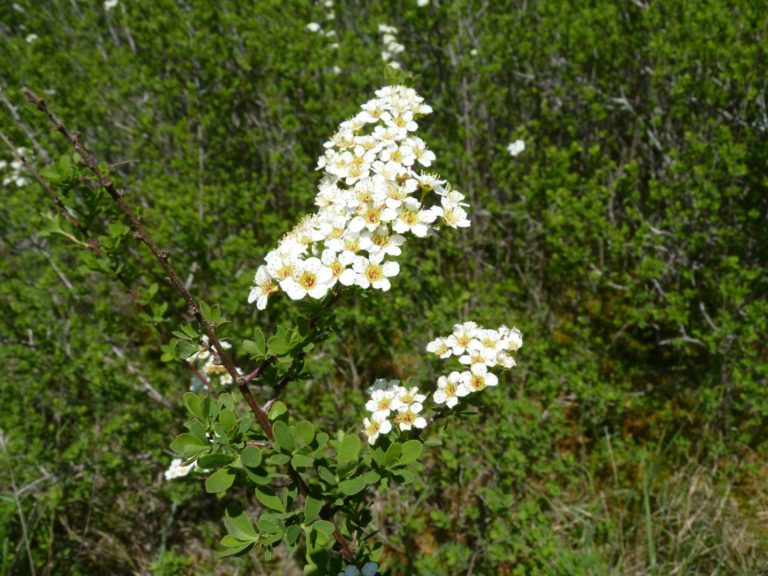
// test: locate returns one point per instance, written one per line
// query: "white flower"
(313, 27)
(422, 3)
(410, 417)
(264, 286)
(515, 340)
(440, 347)
(449, 389)
(370, 273)
(373, 428)
(176, 470)
(29, 38)
(382, 402)
(312, 277)
(517, 147)
(478, 378)
(110, 4)
(408, 397)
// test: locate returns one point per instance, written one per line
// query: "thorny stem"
(162, 256)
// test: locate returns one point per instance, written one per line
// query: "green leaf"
(324, 526)
(189, 445)
(257, 347)
(234, 547)
(190, 332)
(269, 498)
(326, 475)
(227, 419)
(279, 345)
(283, 436)
(349, 448)
(292, 535)
(378, 455)
(393, 454)
(215, 460)
(405, 476)
(304, 433)
(269, 523)
(185, 349)
(238, 524)
(302, 461)
(371, 477)
(251, 456)
(322, 440)
(411, 451)
(220, 480)
(312, 507)
(352, 486)
(278, 409)
(279, 459)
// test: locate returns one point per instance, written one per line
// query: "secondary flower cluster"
(209, 366)
(15, 175)
(177, 470)
(330, 16)
(391, 400)
(391, 46)
(371, 195)
(479, 349)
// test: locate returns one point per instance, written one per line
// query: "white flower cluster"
(330, 16)
(390, 399)
(422, 3)
(479, 349)
(391, 46)
(110, 5)
(15, 168)
(369, 197)
(368, 569)
(208, 363)
(176, 470)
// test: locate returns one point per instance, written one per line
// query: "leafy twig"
(162, 256)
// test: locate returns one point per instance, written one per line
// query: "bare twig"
(148, 388)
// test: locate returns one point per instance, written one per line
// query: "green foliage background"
(628, 242)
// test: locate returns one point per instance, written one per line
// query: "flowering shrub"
(371, 195)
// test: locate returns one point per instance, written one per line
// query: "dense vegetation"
(629, 243)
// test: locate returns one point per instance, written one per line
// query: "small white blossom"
(29, 38)
(110, 4)
(372, 428)
(313, 27)
(449, 389)
(516, 147)
(410, 417)
(177, 470)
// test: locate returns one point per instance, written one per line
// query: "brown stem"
(162, 256)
